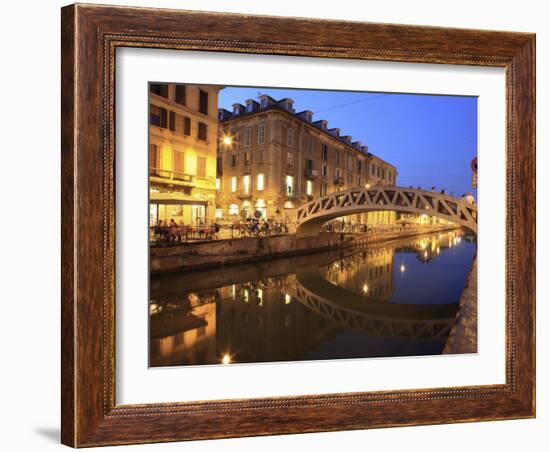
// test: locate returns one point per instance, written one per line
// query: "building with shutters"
(183, 132)
(272, 159)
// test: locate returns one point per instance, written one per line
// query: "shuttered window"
(201, 166)
(154, 159)
(186, 125)
(202, 131)
(172, 122)
(203, 101)
(178, 165)
(180, 94)
(160, 89)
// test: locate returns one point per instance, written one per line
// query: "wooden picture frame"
(90, 36)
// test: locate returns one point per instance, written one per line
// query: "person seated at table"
(173, 228)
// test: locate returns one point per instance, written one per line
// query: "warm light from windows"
(218, 184)
(260, 182)
(288, 298)
(309, 188)
(234, 184)
(246, 183)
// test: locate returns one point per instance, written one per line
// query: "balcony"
(244, 194)
(171, 176)
(338, 180)
(311, 173)
(291, 194)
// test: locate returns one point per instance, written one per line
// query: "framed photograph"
(283, 225)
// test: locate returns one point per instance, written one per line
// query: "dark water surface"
(398, 298)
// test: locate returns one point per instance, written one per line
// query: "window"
(234, 185)
(323, 190)
(339, 158)
(172, 121)
(263, 102)
(154, 158)
(324, 152)
(219, 165)
(247, 159)
(378, 171)
(180, 94)
(350, 178)
(158, 116)
(350, 162)
(373, 168)
(186, 125)
(246, 183)
(159, 89)
(260, 182)
(234, 161)
(233, 209)
(309, 188)
(290, 185)
(203, 101)
(359, 166)
(218, 184)
(219, 213)
(201, 166)
(261, 134)
(202, 131)
(383, 172)
(325, 169)
(359, 182)
(338, 173)
(178, 165)
(247, 136)
(309, 164)
(290, 159)
(290, 137)
(261, 156)
(236, 110)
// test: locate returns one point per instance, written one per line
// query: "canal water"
(398, 298)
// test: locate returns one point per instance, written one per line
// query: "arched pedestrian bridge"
(314, 214)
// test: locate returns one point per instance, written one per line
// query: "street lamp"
(227, 140)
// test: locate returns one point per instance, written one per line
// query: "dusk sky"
(430, 139)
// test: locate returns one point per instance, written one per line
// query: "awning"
(174, 198)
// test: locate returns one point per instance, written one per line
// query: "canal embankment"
(463, 335)
(217, 253)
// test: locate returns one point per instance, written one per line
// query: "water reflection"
(392, 299)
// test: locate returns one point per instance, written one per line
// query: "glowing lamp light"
(365, 288)
(227, 140)
(402, 268)
(288, 299)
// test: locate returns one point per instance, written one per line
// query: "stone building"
(271, 159)
(183, 134)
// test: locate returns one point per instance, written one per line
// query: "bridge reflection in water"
(393, 299)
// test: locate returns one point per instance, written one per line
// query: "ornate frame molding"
(90, 37)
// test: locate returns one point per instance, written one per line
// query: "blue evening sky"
(430, 139)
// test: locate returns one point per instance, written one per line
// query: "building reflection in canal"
(393, 299)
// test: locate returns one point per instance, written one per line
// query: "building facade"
(272, 159)
(183, 133)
